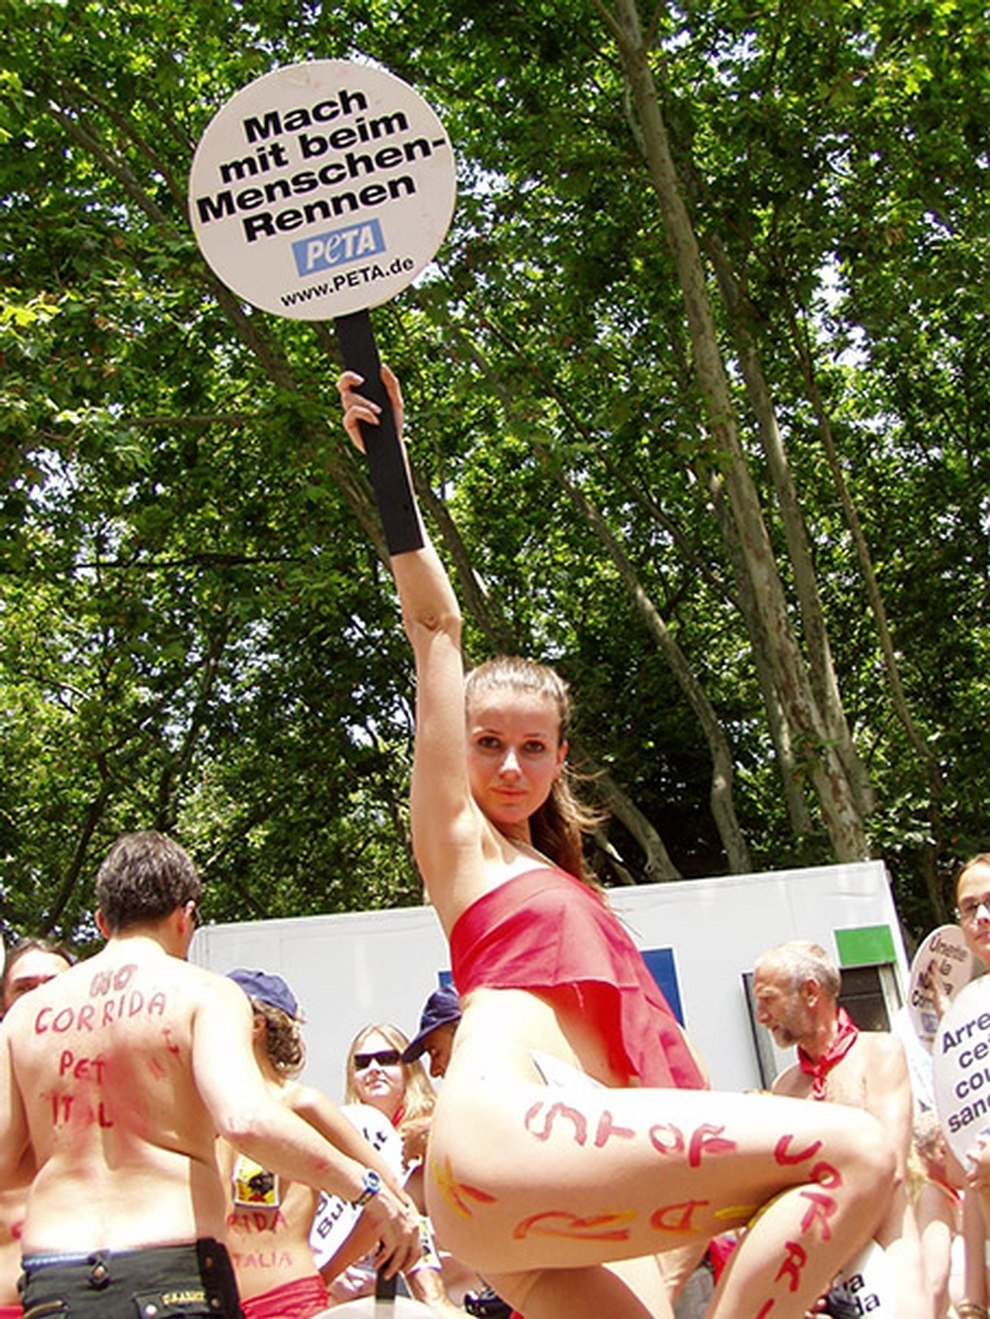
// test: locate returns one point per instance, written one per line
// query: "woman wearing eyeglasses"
(563, 1154)
(378, 1079)
(972, 893)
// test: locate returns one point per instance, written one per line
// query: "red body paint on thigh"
(562, 1223)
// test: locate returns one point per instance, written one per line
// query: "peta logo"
(338, 247)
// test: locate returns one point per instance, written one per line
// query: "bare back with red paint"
(101, 1058)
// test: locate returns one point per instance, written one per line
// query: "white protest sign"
(961, 1068)
(322, 189)
(943, 955)
(334, 1217)
(865, 1286)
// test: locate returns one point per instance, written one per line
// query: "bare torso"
(501, 1029)
(268, 1243)
(873, 1076)
(13, 1206)
(854, 1080)
(124, 1143)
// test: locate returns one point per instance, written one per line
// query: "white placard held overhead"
(322, 189)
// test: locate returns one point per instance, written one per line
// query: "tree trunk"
(916, 737)
(824, 681)
(658, 864)
(720, 795)
(836, 799)
(789, 771)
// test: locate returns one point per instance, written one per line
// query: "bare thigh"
(526, 1179)
(624, 1289)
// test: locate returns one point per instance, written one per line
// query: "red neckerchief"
(845, 1038)
(399, 1114)
(953, 1192)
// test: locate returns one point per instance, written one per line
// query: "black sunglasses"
(384, 1058)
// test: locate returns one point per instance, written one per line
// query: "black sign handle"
(386, 464)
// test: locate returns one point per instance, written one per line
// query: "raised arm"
(447, 827)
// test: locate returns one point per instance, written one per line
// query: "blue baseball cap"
(266, 987)
(443, 1006)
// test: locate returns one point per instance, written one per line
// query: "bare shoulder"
(792, 1083)
(883, 1062)
(211, 983)
(215, 993)
(316, 1108)
(882, 1048)
(304, 1100)
(300, 1095)
(16, 1019)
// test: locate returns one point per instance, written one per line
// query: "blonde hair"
(558, 826)
(418, 1096)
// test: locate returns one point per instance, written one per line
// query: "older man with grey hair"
(796, 986)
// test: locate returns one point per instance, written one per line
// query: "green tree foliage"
(197, 631)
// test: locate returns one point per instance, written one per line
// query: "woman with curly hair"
(268, 1219)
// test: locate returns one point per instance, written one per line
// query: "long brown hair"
(283, 1039)
(559, 825)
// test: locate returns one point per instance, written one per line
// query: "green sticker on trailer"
(865, 946)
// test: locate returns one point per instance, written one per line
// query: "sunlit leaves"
(195, 632)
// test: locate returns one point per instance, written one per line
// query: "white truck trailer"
(700, 938)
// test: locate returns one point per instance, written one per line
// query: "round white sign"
(942, 961)
(961, 1068)
(322, 189)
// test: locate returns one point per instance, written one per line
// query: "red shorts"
(293, 1300)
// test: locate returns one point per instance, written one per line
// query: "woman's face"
(514, 755)
(973, 905)
(378, 1080)
(33, 968)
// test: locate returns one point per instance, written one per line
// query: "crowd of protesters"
(135, 1068)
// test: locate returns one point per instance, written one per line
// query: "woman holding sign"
(572, 1129)
(955, 1084)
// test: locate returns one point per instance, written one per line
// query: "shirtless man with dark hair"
(118, 1075)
